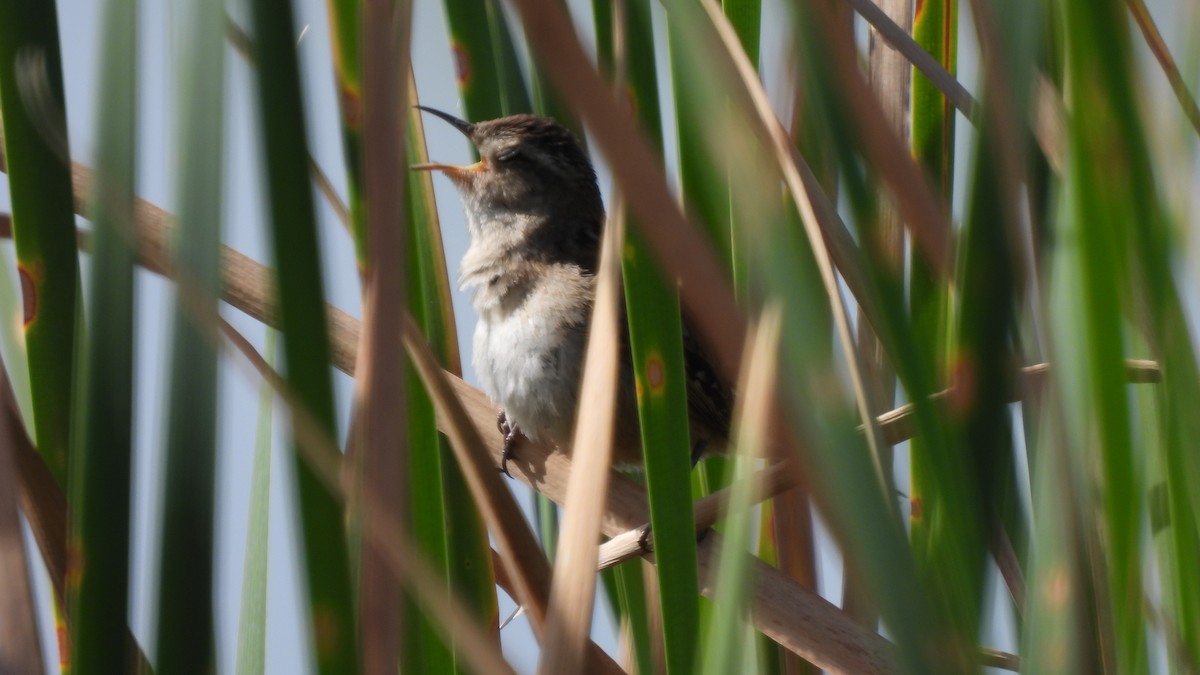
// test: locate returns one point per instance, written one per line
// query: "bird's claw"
(646, 541)
(510, 441)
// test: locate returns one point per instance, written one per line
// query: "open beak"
(455, 172)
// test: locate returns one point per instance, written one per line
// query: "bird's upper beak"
(454, 171)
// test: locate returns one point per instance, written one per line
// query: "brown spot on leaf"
(915, 509)
(963, 384)
(462, 64)
(64, 646)
(656, 373)
(28, 294)
(325, 625)
(74, 563)
(351, 108)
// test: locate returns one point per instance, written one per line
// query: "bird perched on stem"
(534, 217)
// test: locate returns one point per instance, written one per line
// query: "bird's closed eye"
(507, 154)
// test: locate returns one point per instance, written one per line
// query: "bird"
(534, 219)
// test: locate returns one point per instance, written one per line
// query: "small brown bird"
(534, 217)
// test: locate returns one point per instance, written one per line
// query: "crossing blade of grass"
(39, 184)
(185, 592)
(293, 230)
(100, 478)
(933, 58)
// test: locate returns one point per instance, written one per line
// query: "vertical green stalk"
(655, 331)
(344, 24)
(305, 336)
(435, 520)
(462, 537)
(935, 28)
(103, 444)
(1108, 210)
(39, 181)
(185, 613)
(252, 621)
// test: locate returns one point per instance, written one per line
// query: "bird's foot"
(646, 540)
(510, 432)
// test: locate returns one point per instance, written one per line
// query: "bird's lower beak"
(452, 170)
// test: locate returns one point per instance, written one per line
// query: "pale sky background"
(287, 650)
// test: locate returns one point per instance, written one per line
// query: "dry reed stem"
(20, 650)
(573, 590)
(382, 464)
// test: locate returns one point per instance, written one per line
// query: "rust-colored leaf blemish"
(64, 646)
(915, 509)
(351, 104)
(920, 6)
(74, 563)
(1057, 591)
(326, 626)
(656, 373)
(963, 385)
(462, 64)
(28, 294)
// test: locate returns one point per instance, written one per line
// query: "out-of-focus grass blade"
(1114, 199)
(489, 78)
(39, 184)
(935, 28)
(252, 625)
(1124, 196)
(631, 595)
(185, 613)
(724, 651)
(103, 444)
(704, 188)
(1056, 615)
(424, 651)
(304, 327)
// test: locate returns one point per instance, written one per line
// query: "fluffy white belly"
(530, 365)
